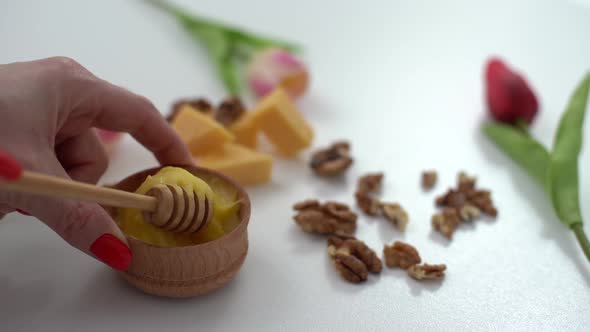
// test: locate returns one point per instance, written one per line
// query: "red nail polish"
(112, 252)
(9, 168)
(22, 212)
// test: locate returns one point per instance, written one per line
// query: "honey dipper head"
(179, 210)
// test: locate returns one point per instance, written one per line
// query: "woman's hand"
(47, 111)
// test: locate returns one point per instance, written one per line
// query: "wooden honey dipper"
(179, 210)
(169, 207)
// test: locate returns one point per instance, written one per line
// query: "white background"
(401, 81)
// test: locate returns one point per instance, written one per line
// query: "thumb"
(86, 226)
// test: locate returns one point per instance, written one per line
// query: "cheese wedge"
(200, 131)
(246, 130)
(245, 166)
(282, 123)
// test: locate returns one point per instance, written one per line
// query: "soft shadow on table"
(324, 187)
(439, 239)
(16, 305)
(464, 227)
(389, 233)
(318, 108)
(416, 287)
(312, 241)
(283, 173)
(257, 191)
(107, 295)
(552, 228)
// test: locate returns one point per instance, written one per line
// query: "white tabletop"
(402, 82)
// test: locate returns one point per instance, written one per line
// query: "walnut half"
(353, 258)
(467, 194)
(199, 104)
(370, 183)
(395, 214)
(429, 179)
(333, 160)
(401, 254)
(229, 111)
(464, 203)
(351, 268)
(446, 222)
(469, 212)
(368, 203)
(367, 185)
(327, 218)
(427, 272)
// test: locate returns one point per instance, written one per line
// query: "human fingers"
(86, 226)
(91, 102)
(83, 157)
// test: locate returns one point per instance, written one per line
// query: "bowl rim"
(245, 210)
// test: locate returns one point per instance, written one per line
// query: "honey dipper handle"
(35, 183)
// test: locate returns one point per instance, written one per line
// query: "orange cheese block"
(247, 167)
(282, 123)
(199, 131)
(245, 130)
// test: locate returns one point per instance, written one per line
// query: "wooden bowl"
(188, 271)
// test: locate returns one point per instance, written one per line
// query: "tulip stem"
(227, 46)
(256, 41)
(578, 230)
(523, 126)
(229, 73)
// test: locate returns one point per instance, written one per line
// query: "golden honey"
(225, 204)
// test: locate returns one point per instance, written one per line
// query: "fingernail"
(9, 168)
(22, 212)
(112, 251)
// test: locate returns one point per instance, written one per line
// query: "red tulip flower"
(509, 96)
